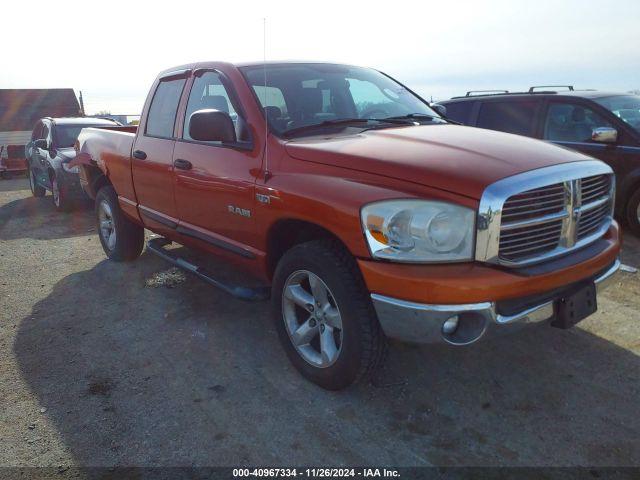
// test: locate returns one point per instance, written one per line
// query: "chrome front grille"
(544, 213)
(530, 240)
(593, 188)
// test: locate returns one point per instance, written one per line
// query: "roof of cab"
(214, 64)
(82, 121)
(591, 94)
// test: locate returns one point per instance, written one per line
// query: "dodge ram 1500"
(363, 212)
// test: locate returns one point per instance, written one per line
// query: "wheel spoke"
(111, 242)
(328, 348)
(318, 289)
(300, 297)
(305, 333)
(332, 317)
(106, 224)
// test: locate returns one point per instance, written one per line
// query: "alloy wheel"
(107, 225)
(312, 318)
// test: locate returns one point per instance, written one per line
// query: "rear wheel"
(324, 316)
(121, 239)
(36, 189)
(633, 213)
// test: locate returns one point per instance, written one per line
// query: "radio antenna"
(267, 174)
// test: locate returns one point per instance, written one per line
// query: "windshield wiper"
(422, 116)
(345, 121)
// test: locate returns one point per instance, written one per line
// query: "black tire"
(633, 213)
(128, 237)
(36, 189)
(363, 344)
(59, 195)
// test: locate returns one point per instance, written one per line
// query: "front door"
(152, 165)
(571, 124)
(214, 182)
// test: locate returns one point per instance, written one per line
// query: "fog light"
(450, 325)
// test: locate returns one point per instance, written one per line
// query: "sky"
(112, 51)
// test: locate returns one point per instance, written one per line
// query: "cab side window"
(566, 122)
(209, 92)
(511, 117)
(162, 112)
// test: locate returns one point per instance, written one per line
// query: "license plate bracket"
(576, 306)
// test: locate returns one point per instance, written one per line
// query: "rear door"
(215, 182)
(152, 156)
(515, 115)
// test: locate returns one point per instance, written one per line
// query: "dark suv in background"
(48, 154)
(602, 125)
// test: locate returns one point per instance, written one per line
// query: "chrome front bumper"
(423, 323)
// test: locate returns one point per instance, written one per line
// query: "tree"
(635, 92)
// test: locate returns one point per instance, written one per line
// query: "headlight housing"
(419, 231)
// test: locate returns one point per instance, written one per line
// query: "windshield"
(625, 107)
(300, 95)
(65, 136)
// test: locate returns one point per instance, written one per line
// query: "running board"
(156, 245)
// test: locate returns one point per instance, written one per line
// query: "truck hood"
(462, 160)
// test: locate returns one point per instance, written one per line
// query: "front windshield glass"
(65, 136)
(300, 95)
(625, 107)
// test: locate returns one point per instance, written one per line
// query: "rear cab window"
(513, 116)
(164, 106)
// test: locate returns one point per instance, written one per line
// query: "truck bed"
(97, 145)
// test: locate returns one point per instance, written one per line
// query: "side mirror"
(604, 135)
(41, 143)
(440, 109)
(211, 126)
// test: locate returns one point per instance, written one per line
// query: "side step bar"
(156, 245)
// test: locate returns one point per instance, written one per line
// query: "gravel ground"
(101, 364)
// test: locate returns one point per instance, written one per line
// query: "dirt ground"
(103, 365)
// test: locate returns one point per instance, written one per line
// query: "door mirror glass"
(604, 135)
(41, 143)
(211, 125)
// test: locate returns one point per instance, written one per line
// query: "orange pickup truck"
(364, 213)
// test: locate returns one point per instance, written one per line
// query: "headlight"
(419, 231)
(68, 169)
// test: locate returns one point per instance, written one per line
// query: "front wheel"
(36, 189)
(121, 239)
(633, 213)
(324, 316)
